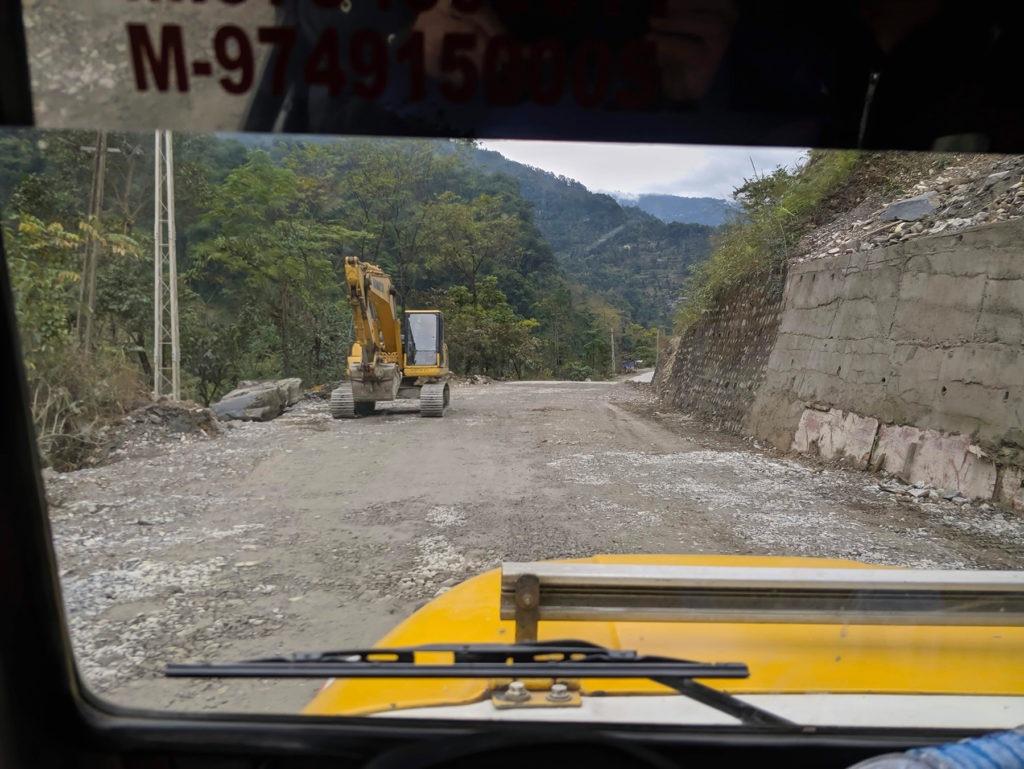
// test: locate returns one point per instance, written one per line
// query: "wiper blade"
(534, 659)
(524, 660)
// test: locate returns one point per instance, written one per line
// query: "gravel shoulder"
(309, 533)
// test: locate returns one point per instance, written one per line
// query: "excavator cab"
(425, 350)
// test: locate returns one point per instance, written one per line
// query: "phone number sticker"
(364, 62)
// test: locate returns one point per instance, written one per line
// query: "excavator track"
(343, 403)
(345, 406)
(434, 399)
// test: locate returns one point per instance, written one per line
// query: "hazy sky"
(691, 170)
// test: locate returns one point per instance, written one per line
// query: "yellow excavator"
(390, 359)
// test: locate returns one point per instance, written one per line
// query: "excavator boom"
(372, 299)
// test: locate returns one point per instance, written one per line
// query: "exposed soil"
(308, 533)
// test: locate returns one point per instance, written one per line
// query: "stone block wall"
(716, 367)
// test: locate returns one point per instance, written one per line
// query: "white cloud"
(691, 170)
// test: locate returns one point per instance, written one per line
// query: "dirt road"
(308, 533)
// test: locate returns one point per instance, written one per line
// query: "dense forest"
(631, 259)
(529, 287)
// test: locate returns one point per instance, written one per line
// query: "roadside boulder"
(911, 209)
(259, 401)
(291, 389)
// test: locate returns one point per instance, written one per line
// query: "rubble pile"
(924, 491)
(472, 379)
(982, 190)
(322, 392)
(174, 417)
(149, 425)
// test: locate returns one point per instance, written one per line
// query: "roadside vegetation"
(777, 208)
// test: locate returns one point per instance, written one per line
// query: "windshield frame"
(48, 713)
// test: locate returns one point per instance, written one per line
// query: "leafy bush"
(72, 393)
(73, 397)
(578, 372)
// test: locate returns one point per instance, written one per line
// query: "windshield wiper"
(522, 660)
(552, 659)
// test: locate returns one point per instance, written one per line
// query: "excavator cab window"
(425, 337)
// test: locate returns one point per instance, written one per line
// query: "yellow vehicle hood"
(783, 658)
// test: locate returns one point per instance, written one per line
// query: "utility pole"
(166, 352)
(87, 288)
(614, 369)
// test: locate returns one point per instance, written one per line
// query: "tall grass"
(776, 210)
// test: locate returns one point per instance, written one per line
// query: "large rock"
(291, 389)
(911, 209)
(941, 460)
(835, 434)
(259, 401)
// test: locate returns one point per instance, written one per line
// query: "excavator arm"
(377, 325)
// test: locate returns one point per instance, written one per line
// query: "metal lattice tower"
(166, 352)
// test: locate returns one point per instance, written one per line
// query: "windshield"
(729, 385)
(424, 329)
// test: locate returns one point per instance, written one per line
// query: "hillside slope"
(883, 333)
(635, 260)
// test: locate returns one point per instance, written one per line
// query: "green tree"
(69, 392)
(469, 237)
(275, 264)
(486, 336)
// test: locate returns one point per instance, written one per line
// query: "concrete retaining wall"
(908, 358)
(928, 332)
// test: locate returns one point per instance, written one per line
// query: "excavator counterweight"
(392, 357)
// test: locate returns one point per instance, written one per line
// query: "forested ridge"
(262, 232)
(631, 259)
(678, 208)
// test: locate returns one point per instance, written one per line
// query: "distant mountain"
(624, 253)
(676, 208)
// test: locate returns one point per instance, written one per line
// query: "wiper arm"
(723, 701)
(558, 659)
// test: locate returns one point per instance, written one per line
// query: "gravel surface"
(308, 533)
